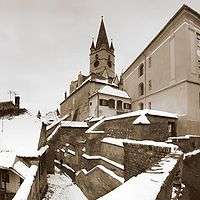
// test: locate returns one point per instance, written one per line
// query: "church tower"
(102, 58)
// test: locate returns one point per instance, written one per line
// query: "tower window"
(96, 56)
(103, 102)
(141, 89)
(119, 105)
(141, 70)
(96, 63)
(111, 103)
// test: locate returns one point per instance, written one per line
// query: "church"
(98, 93)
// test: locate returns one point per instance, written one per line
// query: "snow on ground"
(61, 187)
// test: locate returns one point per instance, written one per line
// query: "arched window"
(111, 103)
(141, 89)
(119, 105)
(141, 70)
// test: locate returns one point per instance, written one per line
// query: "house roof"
(108, 90)
(20, 135)
(184, 7)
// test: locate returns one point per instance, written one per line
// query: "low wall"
(96, 183)
(191, 175)
(139, 157)
(186, 143)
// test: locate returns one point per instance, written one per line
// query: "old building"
(23, 148)
(166, 75)
(96, 94)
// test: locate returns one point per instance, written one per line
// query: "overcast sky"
(45, 43)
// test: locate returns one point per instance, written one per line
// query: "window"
(103, 102)
(90, 103)
(111, 103)
(141, 70)
(127, 106)
(141, 89)
(96, 57)
(149, 105)
(119, 105)
(150, 85)
(141, 106)
(172, 128)
(149, 62)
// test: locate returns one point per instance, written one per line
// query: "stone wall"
(191, 175)
(65, 135)
(96, 183)
(186, 143)
(138, 158)
(124, 128)
(112, 152)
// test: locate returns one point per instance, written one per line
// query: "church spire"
(102, 36)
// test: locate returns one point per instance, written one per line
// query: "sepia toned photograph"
(99, 100)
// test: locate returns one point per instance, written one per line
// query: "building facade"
(166, 75)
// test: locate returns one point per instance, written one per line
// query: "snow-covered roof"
(119, 142)
(150, 180)
(7, 159)
(108, 90)
(21, 134)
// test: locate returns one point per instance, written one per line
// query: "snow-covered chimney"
(17, 101)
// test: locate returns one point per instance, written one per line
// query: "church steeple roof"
(111, 45)
(102, 36)
(92, 45)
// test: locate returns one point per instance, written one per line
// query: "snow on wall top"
(119, 142)
(74, 124)
(150, 180)
(144, 112)
(142, 119)
(20, 134)
(108, 90)
(25, 188)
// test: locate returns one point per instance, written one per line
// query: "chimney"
(17, 101)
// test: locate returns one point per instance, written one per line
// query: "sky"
(44, 44)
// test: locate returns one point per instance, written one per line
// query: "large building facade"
(166, 75)
(97, 94)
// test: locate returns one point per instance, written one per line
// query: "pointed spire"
(92, 45)
(102, 37)
(111, 45)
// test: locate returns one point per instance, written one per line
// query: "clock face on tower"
(109, 64)
(96, 63)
